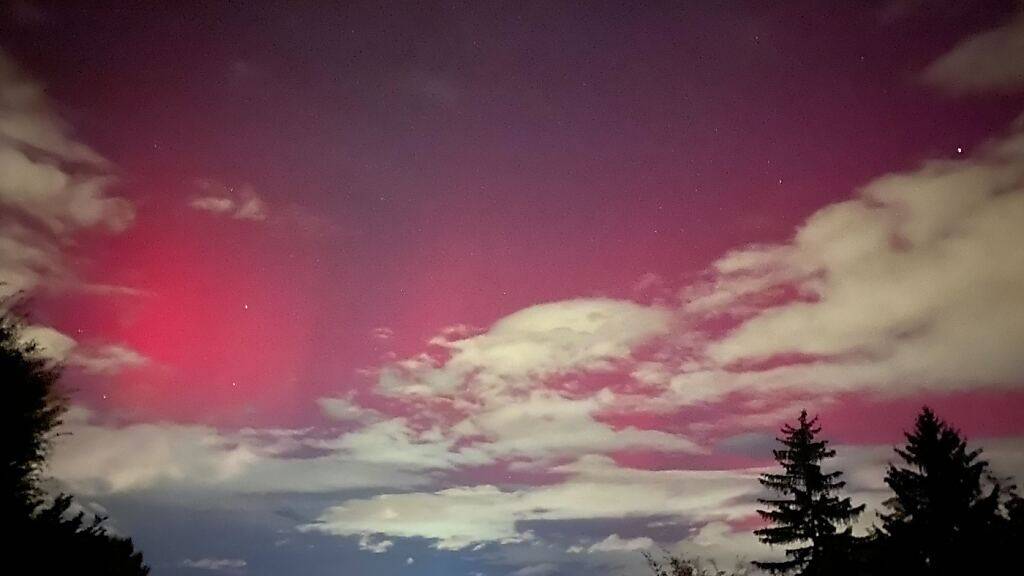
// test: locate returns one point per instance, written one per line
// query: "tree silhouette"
(808, 513)
(942, 517)
(673, 565)
(44, 539)
(31, 411)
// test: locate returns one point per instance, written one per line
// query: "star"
(959, 150)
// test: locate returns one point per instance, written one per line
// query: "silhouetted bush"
(44, 538)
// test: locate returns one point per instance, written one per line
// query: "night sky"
(515, 289)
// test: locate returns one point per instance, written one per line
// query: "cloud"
(46, 176)
(51, 344)
(345, 409)
(213, 204)
(215, 564)
(517, 390)
(367, 543)
(395, 443)
(917, 282)
(59, 347)
(985, 62)
(94, 458)
(456, 518)
(546, 425)
(51, 187)
(29, 121)
(536, 570)
(560, 336)
(725, 545)
(616, 543)
(221, 199)
(533, 343)
(107, 359)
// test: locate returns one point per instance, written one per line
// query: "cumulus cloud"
(241, 204)
(986, 62)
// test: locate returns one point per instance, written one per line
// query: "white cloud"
(395, 443)
(51, 187)
(46, 175)
(536, 570)
(986, 62)
(918, 282)
(533, 343)
(95, 458)
(213, 204)
(107, 359)
(725, 546)
(50, 343)
(616, 543)
(344, 408)
(595, 488)
(545, 425)
(29, 120)
(369, 544)
(215, 564)
(241, 204)
(496, 383)
(560, 336)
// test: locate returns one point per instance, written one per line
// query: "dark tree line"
(947, 515)
(41, 536)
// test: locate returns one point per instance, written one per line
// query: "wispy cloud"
(241, 203)
(215, 564)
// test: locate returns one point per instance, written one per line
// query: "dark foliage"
(948, 516)
(671, 565)
(945, 516)
(31, 412)
(808, 513)
(41, 538)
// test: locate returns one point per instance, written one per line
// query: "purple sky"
(506, 289)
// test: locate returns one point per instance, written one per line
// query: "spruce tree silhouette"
(809, 513)
(40, 538)
(944, 516)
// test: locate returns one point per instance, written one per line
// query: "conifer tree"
(945, 508)
(809, 513)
